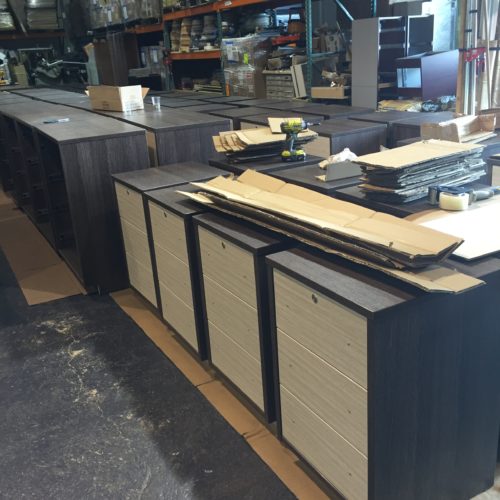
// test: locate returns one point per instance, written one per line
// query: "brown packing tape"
(434, 279)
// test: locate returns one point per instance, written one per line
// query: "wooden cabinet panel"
(136, 243)
(141, 278)
(238, 366)
(173, 273)
(235, 318)
(319, 147)
(130, 206)
(328, 329)
(330, 454)
(341, 403)
(228, 265)
(179, 315)
(169, 231)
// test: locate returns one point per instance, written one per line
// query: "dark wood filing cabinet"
(136, 219)
(262, 120)
(337, 134)
(409, 128)
(62, 180)
(236, 303)
(387, 391)
(232, 99)
(238, 115)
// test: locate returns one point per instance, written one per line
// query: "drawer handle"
(314, 298)
(127, 191)
(165, 214)
(223, 245)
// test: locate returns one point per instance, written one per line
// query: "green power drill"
(292, 128)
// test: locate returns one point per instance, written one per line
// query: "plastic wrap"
(41, 4)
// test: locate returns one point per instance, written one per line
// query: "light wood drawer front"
(169, 231)
(248, 125)
(235, 318)
(319, 147)
(136, 243)
(130, 206)
(331, 455)
(174, 274)
(237, 365)
(141, 278)
(340, 402)
(328, 329)
(229, 265)
(179, 315)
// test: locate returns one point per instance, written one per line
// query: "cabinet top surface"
(333, 110)
(264, 165)
(261, 119)
(345, 126)
(262, 102)
(419, 118)
(205, 107)
(249, 236)
(170, 199)
(306, 176)
(383, 116)
(225, 99)
(240, 112)
(168, 175)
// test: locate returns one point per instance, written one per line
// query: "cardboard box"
(330, 92)
(461, 129)
(110, 98)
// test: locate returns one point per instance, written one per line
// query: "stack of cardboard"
(395, 246)
(256, 141)
(404, 174)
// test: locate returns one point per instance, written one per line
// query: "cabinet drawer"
(235, 318)
(319, 147)
(179, 315)
(328, 329)
(136, 243)
(341, 403)
(248, 125)
(331, 455)
(130, 206)
(228, 265)
(237, 365)
(174, 274)
(141, 278)
(169, 231)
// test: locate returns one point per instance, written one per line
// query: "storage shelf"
(214, 7)
(30, 35)
(202, 54)
(146, 28)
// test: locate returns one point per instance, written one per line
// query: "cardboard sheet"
(413, 154)
(461, 129)
(41, 274)
(478, 226)
(373, 239)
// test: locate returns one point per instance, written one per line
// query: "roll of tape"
(455, 202)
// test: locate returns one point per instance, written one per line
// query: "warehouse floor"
(94, 409)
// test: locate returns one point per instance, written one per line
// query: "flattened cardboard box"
(462, 129)
(415, 153)
(320, 220)
(109, 98)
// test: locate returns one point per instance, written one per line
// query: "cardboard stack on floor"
(405, 174)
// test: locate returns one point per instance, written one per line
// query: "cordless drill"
(292, 128)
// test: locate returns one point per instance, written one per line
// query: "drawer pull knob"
(223, 245)
(314, 298)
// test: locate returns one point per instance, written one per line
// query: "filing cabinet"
(135, 217)
(177, 263)
(336, 135)
(238, 115)
(377, 381)
(236, 303)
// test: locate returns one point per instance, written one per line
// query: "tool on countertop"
(458, 198)
(292, 129)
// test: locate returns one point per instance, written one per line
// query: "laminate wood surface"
(261, 120)
(336, 399)
(305, 176)
(326, 450)
(264, 165)
(262, 103)
(206, 107)
(410, 127)
(141, 278)
(233, 316)
(237, 365)
(238, 115)
(136, 243)
(232, 99)
(130, 206)
(431, 378)
(174, 103)
(328, 329)
(168, 175)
